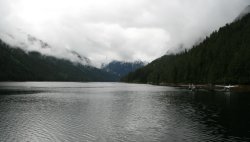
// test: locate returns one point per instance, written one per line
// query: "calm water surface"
(119, 112)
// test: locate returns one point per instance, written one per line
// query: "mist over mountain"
(19, 65)
(243, 13)
(121, 68)
(222, 58)
(45, 29)
(30, 43)
(124, 30)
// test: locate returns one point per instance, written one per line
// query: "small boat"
(228, 88)
(191, 87)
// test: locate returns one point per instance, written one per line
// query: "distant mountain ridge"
(121, 68)
(18, 65)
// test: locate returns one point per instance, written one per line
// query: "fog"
(105, 30)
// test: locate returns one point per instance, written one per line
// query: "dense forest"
(222, 58)
(17, 65)
(122, 68)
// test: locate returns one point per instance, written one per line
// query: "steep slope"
(17, 65)
(243, 13)
(122, 68)
(221, 58)
(31, 43)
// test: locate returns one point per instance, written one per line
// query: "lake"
(119, 112)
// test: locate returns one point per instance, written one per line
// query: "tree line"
(18, 65)
(222, 58)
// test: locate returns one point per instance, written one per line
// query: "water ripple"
(122, 113)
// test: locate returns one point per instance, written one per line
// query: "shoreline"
(209, 87)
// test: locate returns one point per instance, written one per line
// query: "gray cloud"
(103, 30)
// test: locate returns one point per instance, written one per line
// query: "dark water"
(117, 112)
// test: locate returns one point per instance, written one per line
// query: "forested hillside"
(222, 58)
(17, 65)
(122, 68)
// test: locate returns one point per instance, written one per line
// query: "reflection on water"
(42, 111)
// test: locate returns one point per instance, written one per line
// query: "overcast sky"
(103, 30)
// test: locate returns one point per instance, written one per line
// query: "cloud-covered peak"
(29, 43)
(106, 30)
(243, 13)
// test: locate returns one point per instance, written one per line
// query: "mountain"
(243, 13)
(40, 44)
(121, 68)
(221, 58)
(81, 59)
(33, 40)
(19, 65)
(31, 43)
